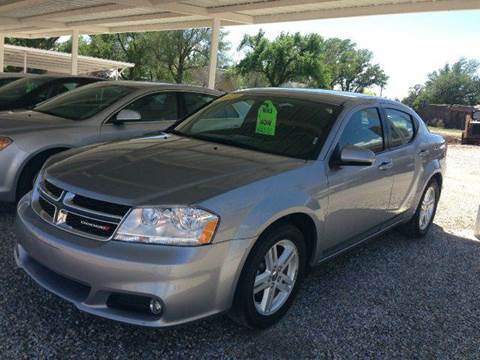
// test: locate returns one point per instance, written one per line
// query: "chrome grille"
(51, 190)
(91, 218)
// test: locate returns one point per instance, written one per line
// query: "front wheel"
(270, 278)
(421, 222)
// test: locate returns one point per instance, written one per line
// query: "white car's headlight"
(4, 142)
(170, 226)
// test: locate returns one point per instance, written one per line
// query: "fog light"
(155, 307)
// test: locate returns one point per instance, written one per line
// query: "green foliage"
(182, 56)
(351, 69)
(331, 63)
(174, 55)
(287, 58)
(453, 84)
(170, 56)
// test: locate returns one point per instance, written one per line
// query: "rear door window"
(401, 126)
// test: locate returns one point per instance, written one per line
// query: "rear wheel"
(270, 278)
(421, 222)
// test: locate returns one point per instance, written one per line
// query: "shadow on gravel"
(7, 209)
(393, 297)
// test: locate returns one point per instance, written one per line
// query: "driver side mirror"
(476, 116)
(355, 156)
(125, 116)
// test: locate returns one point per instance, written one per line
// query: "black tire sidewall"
(244, 299)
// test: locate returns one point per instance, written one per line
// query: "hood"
(163, 170)
(22, 121)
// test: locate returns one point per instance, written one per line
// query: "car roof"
(333, 97)
(146, 85)
(16, 75)
(54, 76)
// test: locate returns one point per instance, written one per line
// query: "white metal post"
(2, 52)
(75, 52)
(212, 68)
(25, 62)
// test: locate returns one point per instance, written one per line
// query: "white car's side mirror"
(127, 115)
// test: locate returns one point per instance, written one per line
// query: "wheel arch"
(42, 154)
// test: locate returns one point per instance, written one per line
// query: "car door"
(359, 196)
(401, 128)
(156, 111)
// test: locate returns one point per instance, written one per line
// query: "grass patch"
(451, 135)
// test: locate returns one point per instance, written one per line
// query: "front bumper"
(190, 282)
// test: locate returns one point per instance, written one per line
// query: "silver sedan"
(228, 210)
(101, 112)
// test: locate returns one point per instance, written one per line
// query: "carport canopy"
(58, 62)
(49, 18)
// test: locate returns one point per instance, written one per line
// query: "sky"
(407, 46)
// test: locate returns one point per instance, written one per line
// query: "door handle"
(385, 165)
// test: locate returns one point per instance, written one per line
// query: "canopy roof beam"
(110, 16)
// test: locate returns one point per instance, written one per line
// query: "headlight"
(4, 142)
(170, 226)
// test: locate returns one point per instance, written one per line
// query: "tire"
(416, 228)
(246, 308)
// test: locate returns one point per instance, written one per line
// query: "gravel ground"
(392, 298)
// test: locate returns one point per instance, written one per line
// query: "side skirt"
(357, 241)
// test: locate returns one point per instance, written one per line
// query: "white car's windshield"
(84, 102)
(19, 88)
(272, 124)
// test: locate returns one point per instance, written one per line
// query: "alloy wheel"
(427, 208)
(276, 277)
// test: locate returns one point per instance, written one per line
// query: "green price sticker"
(266, 119)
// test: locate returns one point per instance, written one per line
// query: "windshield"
(272, 124)
(84, 102)
(19, 88)
(5, 81)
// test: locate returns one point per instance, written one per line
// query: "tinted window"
(279, 125)
(5, 81)
(364, 129)
(401, 127)
(194, 101)
(20, 88)
(53, 89)
(85, 102)
(156, 107)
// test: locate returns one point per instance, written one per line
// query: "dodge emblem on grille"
(61, 217)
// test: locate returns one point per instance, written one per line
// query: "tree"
(331, 63)
(287, 58)
(351, 69)
(414, 96)
(168, 56)
(453, 84)
(181, 52)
